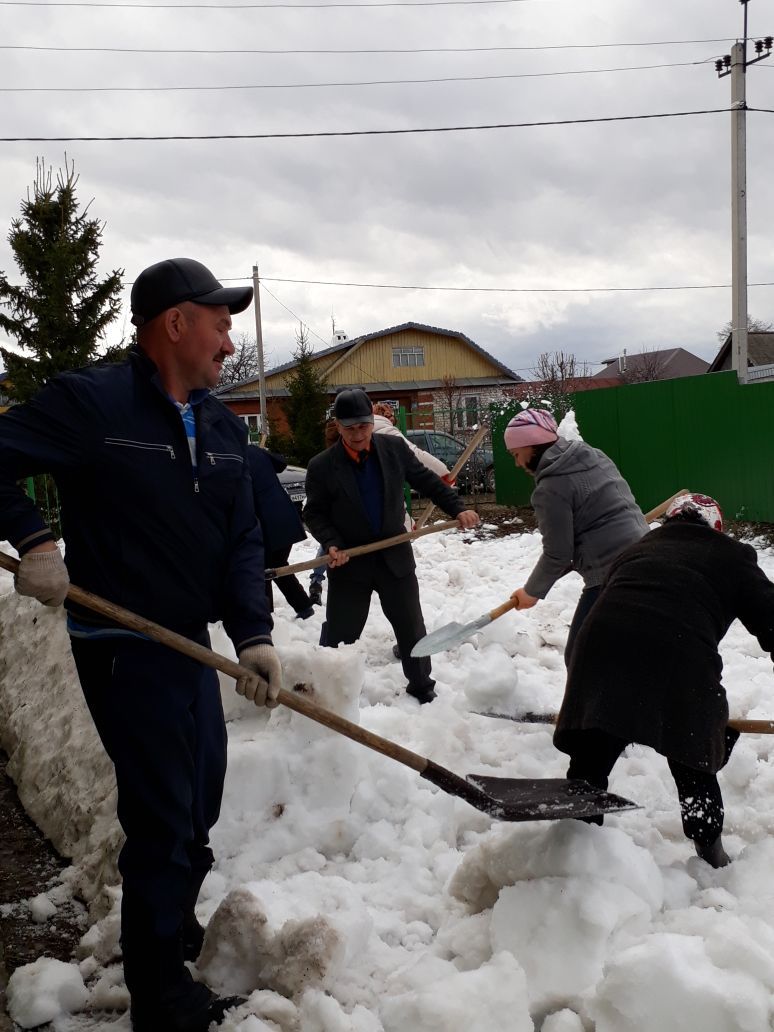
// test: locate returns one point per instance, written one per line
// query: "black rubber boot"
(396, 651)
(422, 695)
(315, 593)
(714, 854)
(188, 1007)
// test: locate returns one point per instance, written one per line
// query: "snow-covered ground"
(350, 895)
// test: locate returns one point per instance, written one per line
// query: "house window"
(253, 421)
(471, 410)
(408, 356)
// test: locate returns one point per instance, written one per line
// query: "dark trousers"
(160, 719)
(290, 586)
(593, 756)
(347, 611)
(585, 603)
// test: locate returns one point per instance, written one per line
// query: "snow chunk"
(492, 998)
(654, 985)
(45, 990)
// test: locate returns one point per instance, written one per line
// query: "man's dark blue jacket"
(280, 523)
(142, 527)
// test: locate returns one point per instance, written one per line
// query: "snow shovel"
(454, 633)
(752, 727)
(505, 799)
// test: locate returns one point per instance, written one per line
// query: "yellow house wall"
(372, 361)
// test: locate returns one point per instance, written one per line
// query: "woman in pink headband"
(585, 511)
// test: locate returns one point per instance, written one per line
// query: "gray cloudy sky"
(624, 204)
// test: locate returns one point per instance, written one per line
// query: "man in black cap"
(158, 517)
(354, 495)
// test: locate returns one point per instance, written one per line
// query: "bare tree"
(452, 396)
(556, 374)
(649, 365)
(753, 326)
(243, 364)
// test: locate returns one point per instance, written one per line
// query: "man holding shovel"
(354, 496)
(158, 517)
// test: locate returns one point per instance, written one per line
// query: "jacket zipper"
(143, 445)
(212, 456)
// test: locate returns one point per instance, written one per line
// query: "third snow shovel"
(452, 634)
(505, 799)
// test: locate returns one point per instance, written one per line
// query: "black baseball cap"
(353, 406)
(169, 283)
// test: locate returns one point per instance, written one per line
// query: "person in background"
(158, 517)
(281, 526)
(354, 496)
(384, 423)
(318, 573)
(585, 511)
(646, 666)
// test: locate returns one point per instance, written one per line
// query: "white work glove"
(43, 575)
(262, 686)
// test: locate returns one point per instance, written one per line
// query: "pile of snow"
(350, 895)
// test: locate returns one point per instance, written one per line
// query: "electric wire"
(343, 85)
(268, 6)
(511, 290)
(385, 50)
(288, 310)
(338, 133)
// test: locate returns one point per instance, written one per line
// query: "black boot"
(187, 1007)
(422, 695)
(164, 996)
(315, 593)
(714, 854)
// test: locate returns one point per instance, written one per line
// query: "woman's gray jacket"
(586, 514)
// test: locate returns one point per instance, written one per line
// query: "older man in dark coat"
(354, 496)
(646, 666)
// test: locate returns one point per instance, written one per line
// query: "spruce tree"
(59, 315)
(308, 402)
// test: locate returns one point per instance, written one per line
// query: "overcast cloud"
(624, 204)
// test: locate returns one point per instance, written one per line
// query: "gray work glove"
(262, 686)
(43, 575)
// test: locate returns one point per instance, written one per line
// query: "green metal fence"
(706, 433)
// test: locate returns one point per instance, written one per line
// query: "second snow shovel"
(454, 633)
(505, 799)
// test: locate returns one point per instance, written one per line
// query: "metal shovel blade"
(448, 636)
(548, 799)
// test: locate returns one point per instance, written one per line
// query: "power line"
(325, 85)
(290, 312)
(511, 290)
(254, 7)
(357, 132)
(413, 50)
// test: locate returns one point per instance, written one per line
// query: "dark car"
(478, 472)
(293, 479)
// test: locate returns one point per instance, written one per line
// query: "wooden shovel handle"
(506, 607)
(374, 546)
(471, 446)
(294, 700)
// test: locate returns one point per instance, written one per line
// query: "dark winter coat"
(646, 666)
(142, 528)
(279, 519)
(586, 514)
(335, 514)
